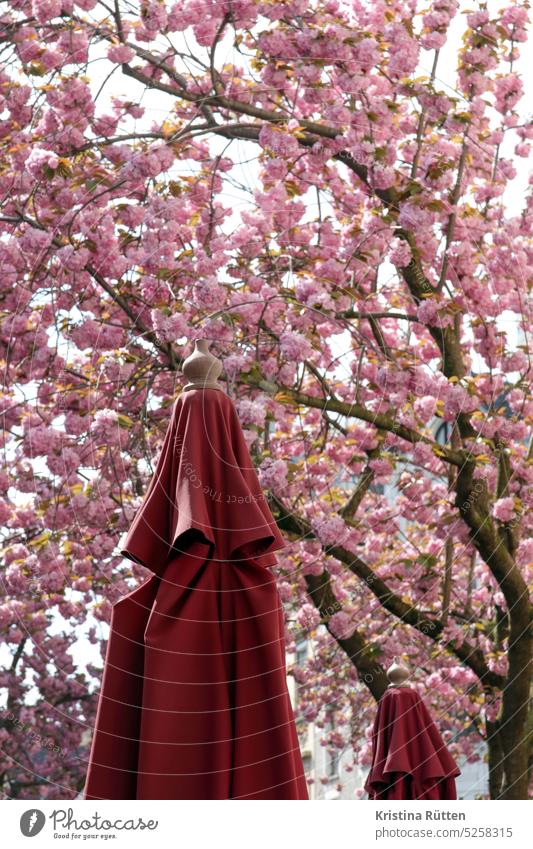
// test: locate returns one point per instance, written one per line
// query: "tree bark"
(509, 760)
(495, 760)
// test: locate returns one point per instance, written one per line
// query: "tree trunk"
(508, 737)
(513, 719)
(508, 763)
(495, 760)
(515, 763)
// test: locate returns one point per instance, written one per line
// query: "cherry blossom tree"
(295, 182)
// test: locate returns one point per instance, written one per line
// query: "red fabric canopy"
(205, 487)
(194, 701)
(409, 757)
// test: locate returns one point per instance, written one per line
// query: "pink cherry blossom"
(273, 474)
(503, 509)
(120, 53)
(308, 617)
(341, 624)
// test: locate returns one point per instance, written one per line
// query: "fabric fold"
(114, 756)
(194, 701)
(205, 488)
(409, 757)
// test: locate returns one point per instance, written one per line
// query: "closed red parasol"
(194, 701)
(409, 757)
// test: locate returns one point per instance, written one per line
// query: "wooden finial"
(397, 674)
(201, 368)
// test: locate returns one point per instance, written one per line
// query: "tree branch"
(361, 653)
(382, 421)
(471, 656)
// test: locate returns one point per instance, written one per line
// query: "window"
(301, 652)
(300, 658)
(442, 433)
(332, 763)
(332, 755)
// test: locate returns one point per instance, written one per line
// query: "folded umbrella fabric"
(194, 701)
(409, 757)
(205, 487)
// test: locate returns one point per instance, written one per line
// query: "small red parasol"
(409, 757)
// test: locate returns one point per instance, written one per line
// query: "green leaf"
(125, 421)
(428, 560)
(35, 69)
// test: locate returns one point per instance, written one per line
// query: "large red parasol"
(194, 701)
(409, 757)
